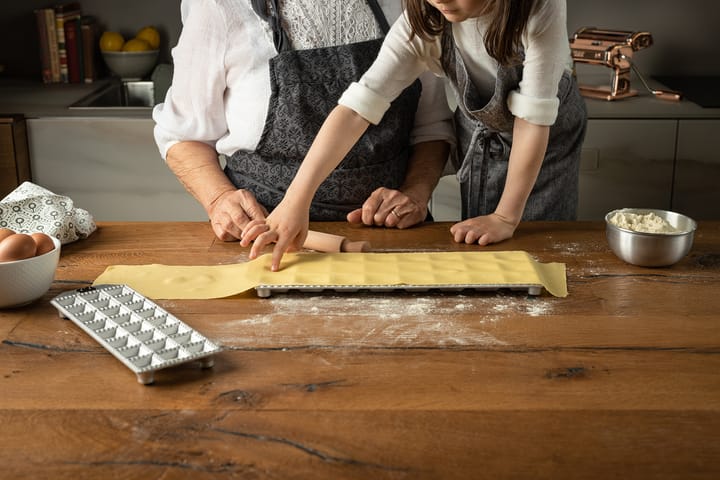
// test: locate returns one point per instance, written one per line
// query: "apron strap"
(379, 16)
(280, 38)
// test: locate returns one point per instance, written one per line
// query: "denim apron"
(305, 87)
(484, 135)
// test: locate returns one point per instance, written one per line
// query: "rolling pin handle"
(323, 242)
(359, 246)
(327, 242)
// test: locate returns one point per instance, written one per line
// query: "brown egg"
(5, 232)
(44, 243)
(17, 246)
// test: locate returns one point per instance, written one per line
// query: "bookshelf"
(67, 44)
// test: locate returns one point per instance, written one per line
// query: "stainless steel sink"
(119, 95)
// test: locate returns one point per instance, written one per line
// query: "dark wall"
(19, 47)
(684, 32)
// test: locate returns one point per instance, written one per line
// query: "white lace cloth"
(31, 208)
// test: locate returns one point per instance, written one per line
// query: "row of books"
(68, 44)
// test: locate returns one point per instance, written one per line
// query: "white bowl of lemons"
(132, 59)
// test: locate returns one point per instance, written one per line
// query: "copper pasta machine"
(613, 49)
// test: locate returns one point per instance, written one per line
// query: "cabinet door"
(110, 167)
(626, 163)
(697, 170)
(14, 161)
(445, 203)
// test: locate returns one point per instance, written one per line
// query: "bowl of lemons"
(131, 59)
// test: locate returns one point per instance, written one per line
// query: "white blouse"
(547, 56)
(221, 85)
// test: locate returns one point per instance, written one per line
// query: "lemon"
(111, 42)
(136, 45)
(150, 35)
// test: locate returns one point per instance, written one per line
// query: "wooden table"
(621, 379)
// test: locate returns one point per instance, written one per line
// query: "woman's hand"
(389, 208)
(231, 212)
(483, 230)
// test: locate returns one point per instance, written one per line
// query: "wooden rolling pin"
(327, 242)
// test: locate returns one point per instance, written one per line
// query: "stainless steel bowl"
(651, 249)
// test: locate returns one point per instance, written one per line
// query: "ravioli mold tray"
(138, 332)
(265, 291)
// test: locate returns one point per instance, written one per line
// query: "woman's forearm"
(197, 167)
(425, 167)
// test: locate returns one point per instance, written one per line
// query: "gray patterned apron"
(306, 85)
(484, 135)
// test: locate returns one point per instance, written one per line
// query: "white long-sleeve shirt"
(221, 84)
(547, 56)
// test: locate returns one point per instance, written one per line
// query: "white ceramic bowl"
(24, 281)
(131, 65)
(651, 249)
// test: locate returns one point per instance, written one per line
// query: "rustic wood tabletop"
(620, 379)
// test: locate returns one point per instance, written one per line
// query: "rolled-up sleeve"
(193, 109)
(398, 64)
(364, 101)
(547, 57)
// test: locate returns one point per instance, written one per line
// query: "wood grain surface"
(621, 379)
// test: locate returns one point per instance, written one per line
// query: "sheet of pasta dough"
(432, 269)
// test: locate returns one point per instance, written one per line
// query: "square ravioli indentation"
(126, 298)
(146, 312)
(107, 332)
(158, 343)
(142, 361)
(76, 308)
(159, 319)
(173, 328)
(149, 335)
(169, 353)
(118, 341)
(90, 295)
(111, 310)
(186, 335)
(122, 318)
(134, 350)
(98, 324)
(67, 300)
(136, 305)
(100, 303)
(197, 347)
(133, 326)
(88, 316)
(115, 290)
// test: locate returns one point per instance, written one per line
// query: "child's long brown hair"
(503, 37)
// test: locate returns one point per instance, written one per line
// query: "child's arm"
(526, 156)
(287, 225)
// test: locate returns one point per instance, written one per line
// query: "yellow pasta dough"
(431, 269)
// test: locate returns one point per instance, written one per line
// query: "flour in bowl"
(645, 223)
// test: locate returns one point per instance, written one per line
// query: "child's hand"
(483, 230)
(285, 227)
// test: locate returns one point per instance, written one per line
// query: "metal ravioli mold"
(265, 291)
(139, 333)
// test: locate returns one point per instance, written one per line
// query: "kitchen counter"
(34, 99)
(619, 379)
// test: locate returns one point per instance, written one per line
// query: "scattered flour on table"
(385, 320)
(646, 223)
